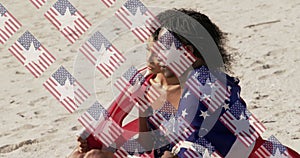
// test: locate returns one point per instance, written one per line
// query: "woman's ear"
(189, 48)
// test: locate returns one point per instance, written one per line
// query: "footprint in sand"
(13, 147)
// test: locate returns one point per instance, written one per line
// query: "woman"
(177, 101)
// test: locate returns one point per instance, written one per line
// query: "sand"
(263, 37)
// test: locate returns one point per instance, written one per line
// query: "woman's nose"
(150, 57)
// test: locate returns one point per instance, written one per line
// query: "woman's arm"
(145, 134)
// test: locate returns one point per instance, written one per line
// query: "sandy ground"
(34, 124)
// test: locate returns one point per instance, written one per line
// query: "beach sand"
(263, 37)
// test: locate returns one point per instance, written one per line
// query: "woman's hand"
(82, 145)
(168, 154)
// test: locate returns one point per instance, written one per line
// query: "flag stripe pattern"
(102, 54)
(67, 19)
(199, 148)
(66, 89)
(121, 153)
(272, 147)
(136, 16)
(212, 94)
(98, 122)
(237, 117)
(108, 131)
(38, 3)
(108, 3)
(175, 129)
(132, 83)
(173, 54)
(8, 26)
(94, 114)
(32, 54)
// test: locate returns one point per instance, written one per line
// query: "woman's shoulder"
(203, 74)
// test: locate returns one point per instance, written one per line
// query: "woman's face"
(152, 59)
(154, 63)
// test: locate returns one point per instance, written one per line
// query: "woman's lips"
(150, 67)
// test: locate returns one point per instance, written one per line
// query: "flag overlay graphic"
(212, 94)
(200, 148)
(102, 54)
(136, 16)
(38, 3)
(173, 54)
(32, 54)
(272, 148)
(242, 123)
(67, 19)
(108, 3)
(132, 83)
(97, 121)
(8, 24)
(91, 118)
(66, 89)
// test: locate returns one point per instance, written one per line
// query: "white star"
(172, 123)
(103, 56)
(138, 20)
(212, 85)
(196, 74)
(241, 125)
(205, 97)
(67, 20)
(173, 55)
(135, 91)
(226, 106)
(277, 154)
(187, 94)
(31, 55)
(66, 90)
(204, 114)
(206, 154)
(242, 117)
(238, 94)
(229, 88)
(184, 113)
(3, 19)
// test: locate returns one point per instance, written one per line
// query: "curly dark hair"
(170, 17)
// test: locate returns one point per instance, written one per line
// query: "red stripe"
(84, 53)
(90, 127)
(31, 66)
(40, 4)
(82, 88)
(16, 56)
(140, 32)
(48, 53)
(15, 21)
(36, 76)
(54, 89)
(52, 19)
(34, 4)
(68, 106)
(46, 84)
(107, 5)
(78, 98)
(79, 27)
(78, 95)
(9, 26)
(104, 73)
(123, 17)
(4, 32)
(83, 18)
(67, 35)
(93, 50)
